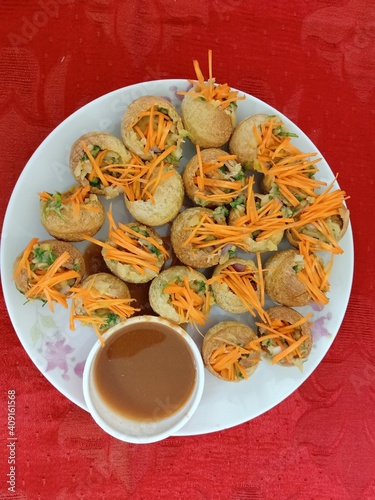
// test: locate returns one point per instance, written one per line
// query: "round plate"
(60, 353)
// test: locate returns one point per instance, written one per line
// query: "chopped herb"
(201, 286)
(112, 319)
(43, 256)
(238, 201)
(232, 252)
(154, 250)
(95, 182)
(240, 176)
(287, 134)
(54, 205)
(172, 159)
(220, 212)
(95, 150)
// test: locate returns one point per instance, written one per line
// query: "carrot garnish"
(98, 309)
(265, 220)
(96, 170)
(133, 246)
(142, 180)
(246, 285)
(77, 197)
(187, 302)
(210, 91)
(49, 277)
(153, 128)
(227, 360)
(220, 180)
(24, 261)
(207, 234)
(285, 165)
(107, 170)
(314, 274)
(327, 204)
(284, 339)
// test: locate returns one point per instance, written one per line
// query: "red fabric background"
(315, 62)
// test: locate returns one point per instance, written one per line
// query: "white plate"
(60, 353)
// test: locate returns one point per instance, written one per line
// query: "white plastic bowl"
(134, 431)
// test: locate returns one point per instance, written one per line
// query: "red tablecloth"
(315, 62)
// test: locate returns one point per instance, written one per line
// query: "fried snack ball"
(165, 205)
(338, 225)
(281, 283)
(82, 169)
(129, 272)
(233, 333)
(288, 316)
(161, 302)
(41, 258)
(104, 284)
(224, 296)
(243, 142)
(209, 125)
(137, 118)
(61, 220)
(227, 171)
(187, 254)
(251, 244)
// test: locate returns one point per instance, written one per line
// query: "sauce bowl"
(113, 379)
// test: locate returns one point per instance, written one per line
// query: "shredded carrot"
(210, 91)
(314, 274)
(285, 165)
(326, 204)
(266, 220)
(120, 175)
(98, 307)
(94, 163)
(127, 246)
(142, 180)
(283, 334)
(189, 305)
(246, 285)
(213, 185)
(153, 127)
(226, 361)
(77, 198)
(316, 244)
(52, 283)
(208, 233)
(24, 261)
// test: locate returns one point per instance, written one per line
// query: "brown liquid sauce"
(139, 292)
(145, 372)
(94, 262)
(173, 259)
